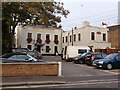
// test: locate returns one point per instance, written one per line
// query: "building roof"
(42, 27)
(113, 26)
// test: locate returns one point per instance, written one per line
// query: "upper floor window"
(47, 36)
(92, 36)
(70, 38)
(74, 37)
(38, 35)
(79, 37)
(29, 35)
(55, 37)
(66, 38)
(104, 37)
(63, 39)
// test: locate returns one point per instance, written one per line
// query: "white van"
(70, 52)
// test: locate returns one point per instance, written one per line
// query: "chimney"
(104, 25)
(85, 23)
(75, 27)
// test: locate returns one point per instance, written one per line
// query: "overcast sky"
(94, 11)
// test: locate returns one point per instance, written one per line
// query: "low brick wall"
(30, 69)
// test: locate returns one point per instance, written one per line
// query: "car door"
(117, 61)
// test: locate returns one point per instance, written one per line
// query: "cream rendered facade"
(85, 37)
(22, 36)
(83, 40)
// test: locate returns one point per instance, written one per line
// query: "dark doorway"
(55, 50)
(29, 47)
(39, 49)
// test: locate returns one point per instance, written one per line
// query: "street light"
(90, 48)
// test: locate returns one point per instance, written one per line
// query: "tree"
(6, 38)
(37, 13)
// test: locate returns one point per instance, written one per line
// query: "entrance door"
(39, 49)
(55, 50)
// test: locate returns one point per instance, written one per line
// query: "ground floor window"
(47, 49)
(29, 47)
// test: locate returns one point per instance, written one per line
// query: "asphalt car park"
(70, 69)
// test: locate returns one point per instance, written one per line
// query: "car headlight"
(100, 62)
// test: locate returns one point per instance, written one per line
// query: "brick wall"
(29, 69)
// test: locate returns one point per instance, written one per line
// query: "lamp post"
(90, 48)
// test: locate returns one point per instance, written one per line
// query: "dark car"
(109, 62)
(93, 56)
(19, 49)
(17, 57)
(81, 59)
(34, 54)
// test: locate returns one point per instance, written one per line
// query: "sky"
(93, 11)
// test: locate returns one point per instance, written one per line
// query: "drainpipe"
(72, 36)
(68, 39)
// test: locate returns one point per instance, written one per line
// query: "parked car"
(17, 57)
(81, 59)
(93, 56)
(73, 51)
(34, 54)
(109, 62)
(19, 49)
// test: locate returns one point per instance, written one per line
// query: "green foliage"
(6, 38)
(37, 13)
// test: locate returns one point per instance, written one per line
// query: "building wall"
(85, 40)
(23, 32)
(114, 36)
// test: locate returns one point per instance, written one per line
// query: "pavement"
(47, 80)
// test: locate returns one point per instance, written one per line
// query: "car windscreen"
(83, 54)
(111, 56)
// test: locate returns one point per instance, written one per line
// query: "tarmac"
(50, 80)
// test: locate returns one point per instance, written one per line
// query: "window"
(38, 35)
(92, 36)
(29, 47)
(99, 55)
(47, 48)
(104, 37)
(74, 37)
(66, 38)
(80, 51)
(25, 57)
(29, 35)
(79, 37)
(118, 58)
(104, 55)
(63, 39)
(70, 38)
(47, 36)
(13, 57)
(55, 37)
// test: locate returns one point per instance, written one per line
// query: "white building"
(96, 37)
(27, 38)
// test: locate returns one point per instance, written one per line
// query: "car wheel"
(109, 66)
(81, 62)
(76, 62)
